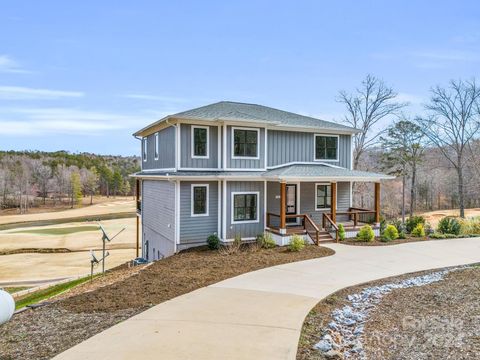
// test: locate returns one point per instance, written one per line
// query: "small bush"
(449, 225)
(412, 222)
(296, 243)
(233, 248)
(341, 232)
(437, 236)
(213, 242)
(266, 241)
(402, 235)
(418, 231)
(390, 233)
(470, 226)
(366, 234)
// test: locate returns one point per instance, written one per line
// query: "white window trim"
(192, 135)
(157, 147)
(232, 207)
(315, 147)
(232, 145)
(316, 199)
(145, 149)
(192, 187)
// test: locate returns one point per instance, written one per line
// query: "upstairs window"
(244, 207)
(145, 147)
(199, 200)
(323, 197)
(245, 143)
(200, 142)
(156, 146)
(326, 147)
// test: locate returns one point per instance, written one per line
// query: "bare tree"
(366, 106)
(452, 124)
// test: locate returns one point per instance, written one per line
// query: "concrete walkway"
(259, 315)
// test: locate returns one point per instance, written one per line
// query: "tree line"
(435, 154)
(30, 178)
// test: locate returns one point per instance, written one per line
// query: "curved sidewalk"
(259, 315)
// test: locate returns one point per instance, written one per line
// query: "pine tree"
(76, 188)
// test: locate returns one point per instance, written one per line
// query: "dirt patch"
(443, 322)
(91, 308)
(445, 304)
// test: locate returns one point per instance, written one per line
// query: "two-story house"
(236, 169)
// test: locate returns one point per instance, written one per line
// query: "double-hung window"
(157, 145)
(326, 147)
(323, 196)
(200, 141)
(244, 207)
(199, 200)
(145, 148)
(245, 143)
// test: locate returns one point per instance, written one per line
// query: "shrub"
(418, 231)
(341, 232)
(266, 241)
(213, 242)
(437, 236)
(366, 234)
(390, 233)
(412, 222)
(449, 225)
(470, 226)
(234, 247)
(296, 243)
(402, 235)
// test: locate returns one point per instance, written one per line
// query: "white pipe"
(7, 306)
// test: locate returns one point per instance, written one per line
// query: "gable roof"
(243, 112)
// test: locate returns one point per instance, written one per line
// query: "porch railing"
(329, 225)
(306, 222)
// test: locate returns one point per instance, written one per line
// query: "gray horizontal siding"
(246, 163)
(196, 229)
(307, 200)
(158, 216)
(249, 229)
(186, 148)
(291, 146)
(166, 150)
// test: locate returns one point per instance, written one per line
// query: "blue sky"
(84, 75)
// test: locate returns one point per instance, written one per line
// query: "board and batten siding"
(158, 218)
(292, 146)
(246, 230)
(246, 163)
(196, 229)
(186, 148)
(166, 150)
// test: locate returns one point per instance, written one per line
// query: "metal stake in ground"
(106, 238)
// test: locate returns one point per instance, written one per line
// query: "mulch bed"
(49, 330)
(378, 242)
(436, 321)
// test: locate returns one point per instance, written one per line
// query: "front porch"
(286, 215)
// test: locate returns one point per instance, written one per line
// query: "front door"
(291, 202)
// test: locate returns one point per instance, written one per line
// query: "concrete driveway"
(259, 315)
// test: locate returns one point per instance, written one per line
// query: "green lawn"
(58, 231)
(12, 290)
(47, 293)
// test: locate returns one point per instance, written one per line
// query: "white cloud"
(26, 93)
(70, 121)
(155, 98)
(8, 65)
